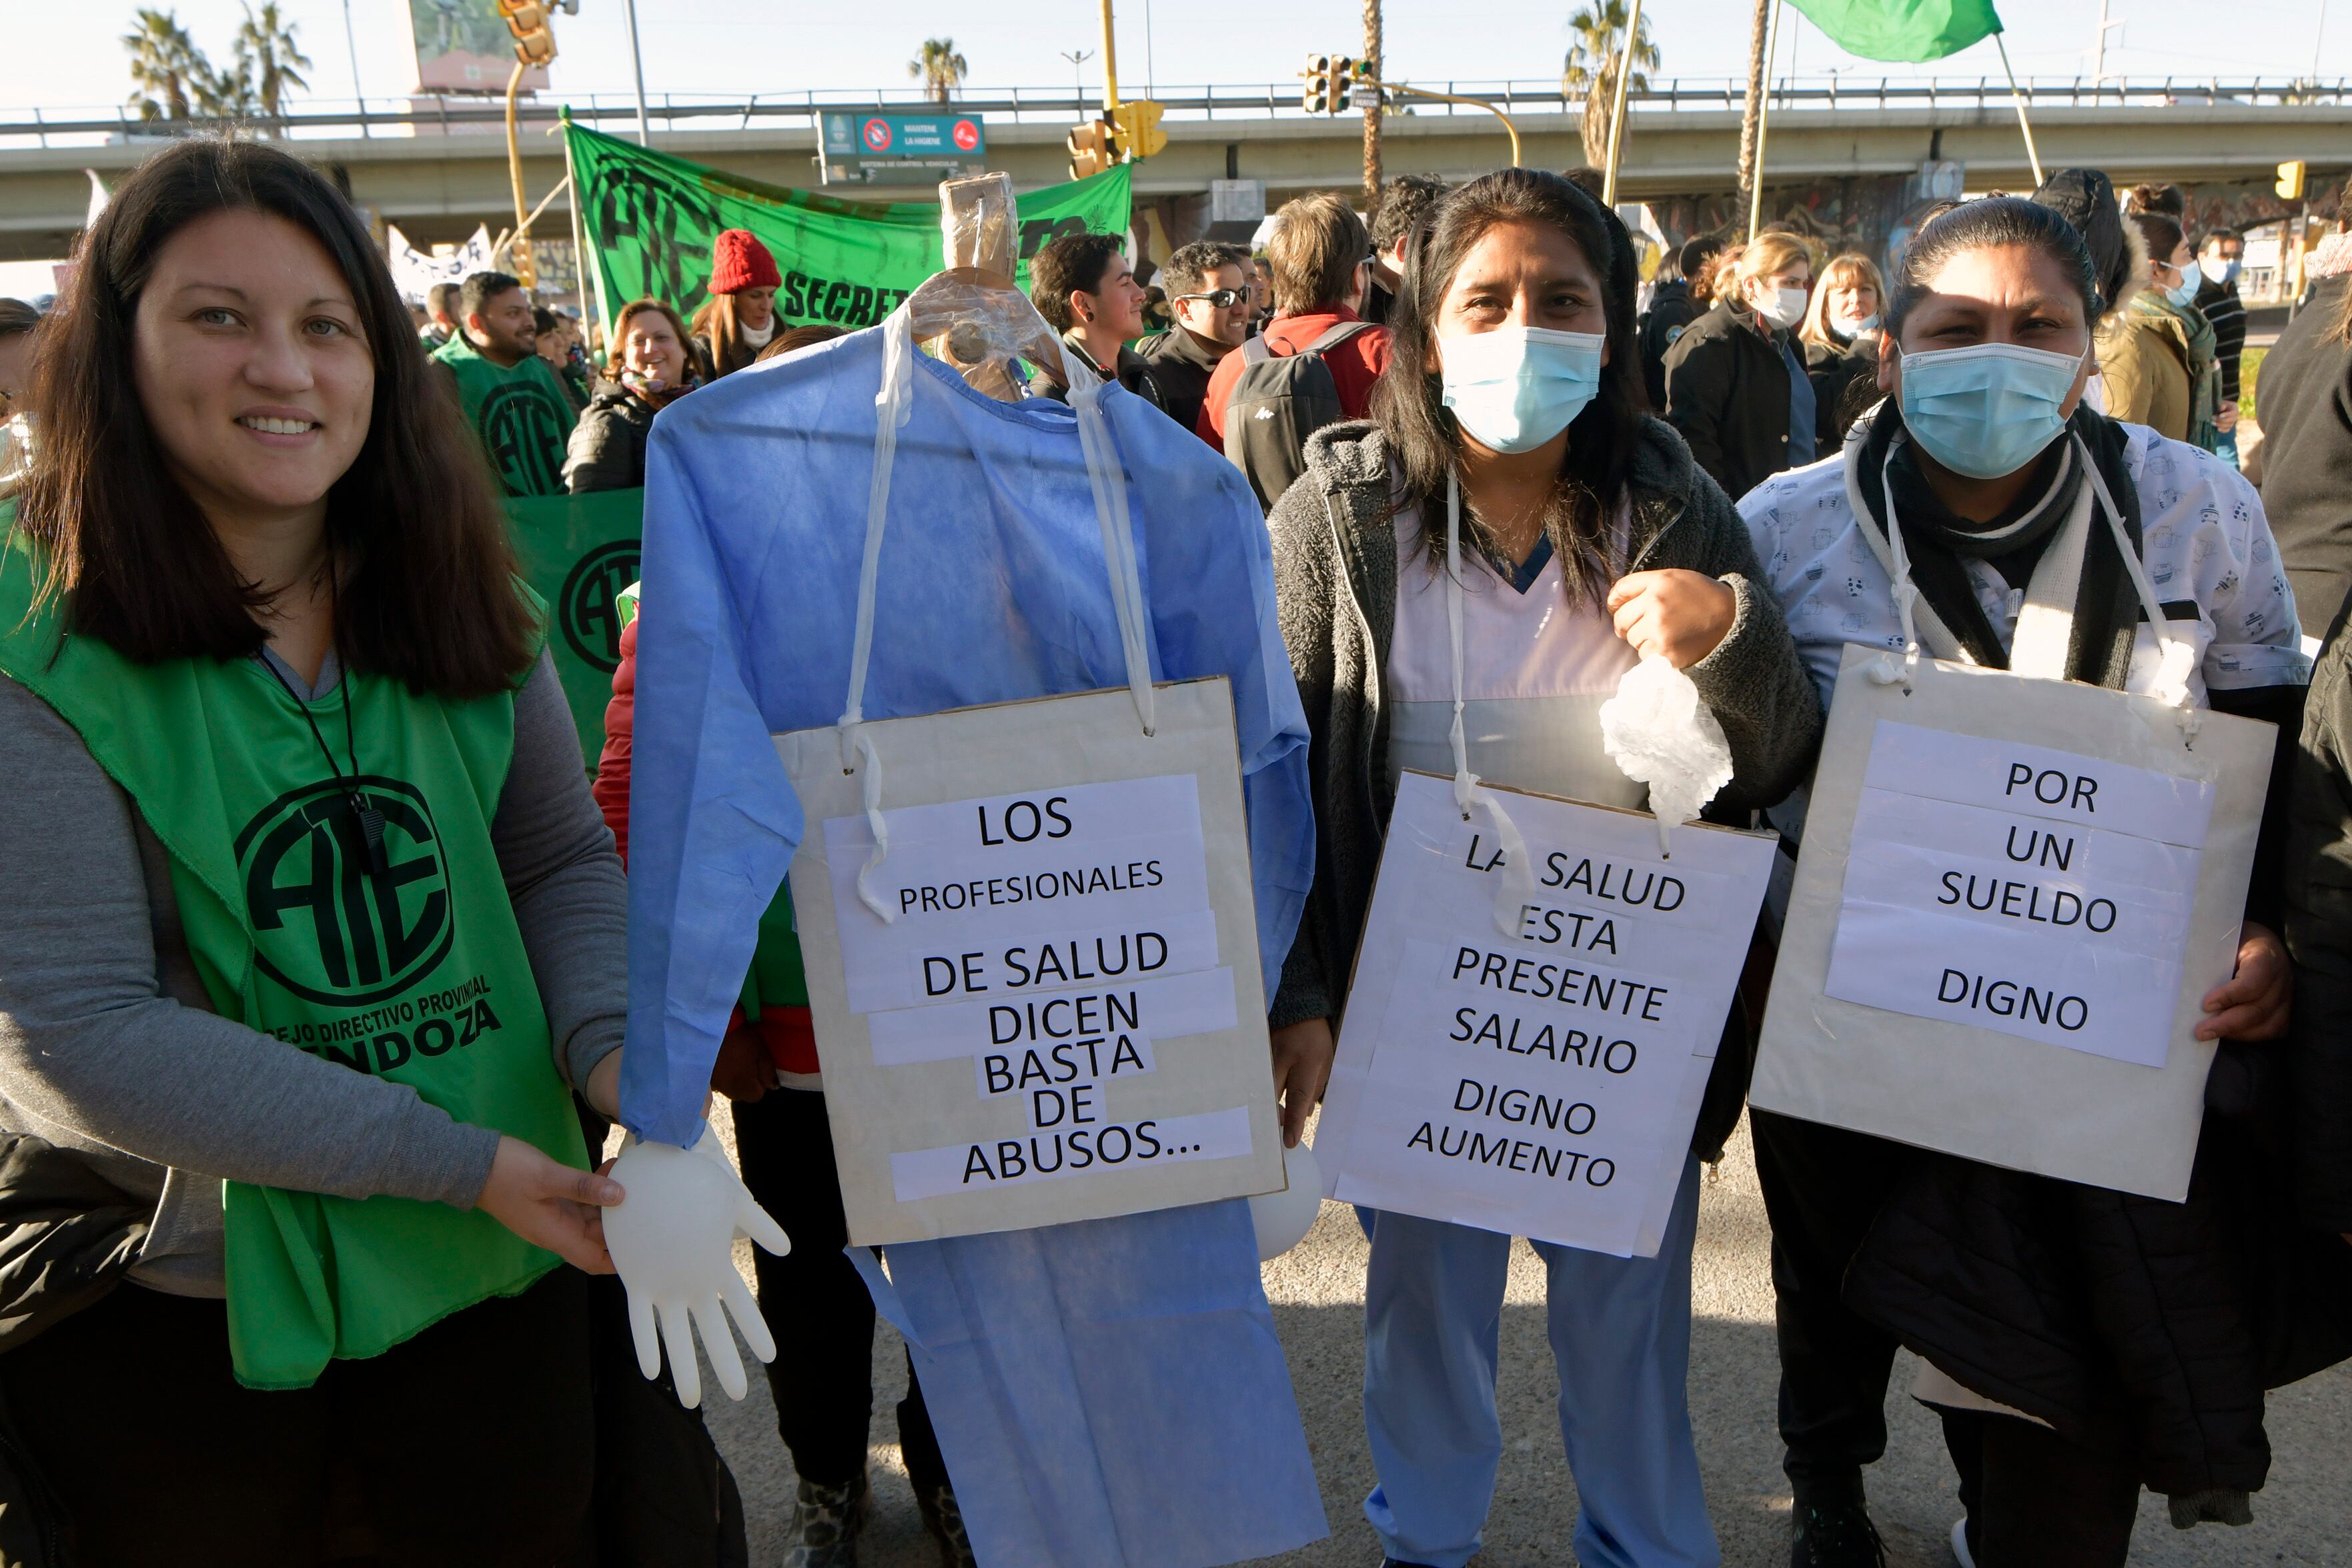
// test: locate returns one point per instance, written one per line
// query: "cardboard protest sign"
(1064, 1019)
(579, 552)
(2013, 898)
(1545, 1083)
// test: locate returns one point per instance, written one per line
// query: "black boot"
(827, 1521)
(1834, 1534)
(944, 1519)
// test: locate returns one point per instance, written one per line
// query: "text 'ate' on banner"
(578, 553)
(2013, 898)
(1064, 1018)
(650, 219)
(1542, 1084)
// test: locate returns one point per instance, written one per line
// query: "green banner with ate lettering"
(650, 219)
(578, 552)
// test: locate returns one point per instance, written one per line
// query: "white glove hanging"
(673, 1239)
(1283, 1219)
(1660, 734)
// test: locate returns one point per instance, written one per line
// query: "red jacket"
(1355, 365)
(790, 1037)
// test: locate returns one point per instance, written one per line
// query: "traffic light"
(1317, 97)
(1091, 148)
(1343, 83)
(528, 21)
(2289, 180)
(1139, 135)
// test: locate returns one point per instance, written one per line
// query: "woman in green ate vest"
(309, 926)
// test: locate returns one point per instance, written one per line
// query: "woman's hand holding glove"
(1675, 615)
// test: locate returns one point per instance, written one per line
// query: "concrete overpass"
(437, 168)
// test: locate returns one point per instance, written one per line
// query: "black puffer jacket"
(1845, 383)
(1660, 327)
(1727, 392)
(608, 445)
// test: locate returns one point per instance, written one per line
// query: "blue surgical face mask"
(1517, 387)
(2226, 273)
(1988, 409)
(2192, 277)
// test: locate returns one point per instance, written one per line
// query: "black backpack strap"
(1338, 334)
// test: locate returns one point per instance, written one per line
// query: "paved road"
(2303, 1517)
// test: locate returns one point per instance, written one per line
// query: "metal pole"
(580, 266)
(521, 251)
(2023, 124)
(1372, 66)
(351, 44)
(1110, 64)
(637, 59)
(1763, 108)
(1617, 113)
(1509, 129)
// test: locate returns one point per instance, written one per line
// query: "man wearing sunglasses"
(1208, 285)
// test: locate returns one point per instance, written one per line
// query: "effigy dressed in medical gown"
(1108, 1390)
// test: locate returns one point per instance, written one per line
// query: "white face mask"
(1782, 308)
(1854, 326)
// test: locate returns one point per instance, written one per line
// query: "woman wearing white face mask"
(1840, 339)
(2157, 354)
(2084, 1341)
(1513, 405)
(1735, 381)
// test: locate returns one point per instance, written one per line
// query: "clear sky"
(63, 53)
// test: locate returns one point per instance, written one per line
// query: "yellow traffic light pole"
(519, 247)
(1448, 98)
(1110, 64)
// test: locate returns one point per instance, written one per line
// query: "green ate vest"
(409, 966)
(519, 412)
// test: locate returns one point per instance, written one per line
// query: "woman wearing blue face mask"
(1513, 402)
(2157, 354)
(2081, 1342)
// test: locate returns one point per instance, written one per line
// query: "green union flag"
(650, 219)
(1902, 29)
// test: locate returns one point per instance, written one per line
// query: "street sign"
(953, 137)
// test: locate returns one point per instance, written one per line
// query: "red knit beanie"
(739, 261)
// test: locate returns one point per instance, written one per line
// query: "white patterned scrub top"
(2204, 539)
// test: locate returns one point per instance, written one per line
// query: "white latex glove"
(673, 1240)
(1662, 735)
(1283, 1218)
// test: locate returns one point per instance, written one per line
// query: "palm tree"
(940, 68)
(167, 70)
(1594, 59)
(278, 62)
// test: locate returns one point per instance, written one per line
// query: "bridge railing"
(429, 115)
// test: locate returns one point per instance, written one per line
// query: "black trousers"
(473, 1444)
(1823, 1185)
(2036, 1500)
(816, 1303)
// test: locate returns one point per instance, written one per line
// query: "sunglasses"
(1222, 298)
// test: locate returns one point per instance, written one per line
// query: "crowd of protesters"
(251, 528)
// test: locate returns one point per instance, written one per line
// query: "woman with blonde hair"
(1735, 381)
(1840, 339)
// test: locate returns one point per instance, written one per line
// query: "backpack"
(1280, 400)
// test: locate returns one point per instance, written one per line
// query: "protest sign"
(2013, 898)
(650, 218)
(578, 553)
(1542, 1083)
(1063, 1018)
(414, 273)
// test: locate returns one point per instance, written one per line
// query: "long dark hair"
(1409, 401)
(426, 591)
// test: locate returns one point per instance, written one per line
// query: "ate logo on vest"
(327, 929)
(588, 609)
(519, 430)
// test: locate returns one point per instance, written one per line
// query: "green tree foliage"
(267, 51)
(938, 68)
(1596, 53)
(172, 78)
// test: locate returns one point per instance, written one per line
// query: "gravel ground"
(2303, 1517)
